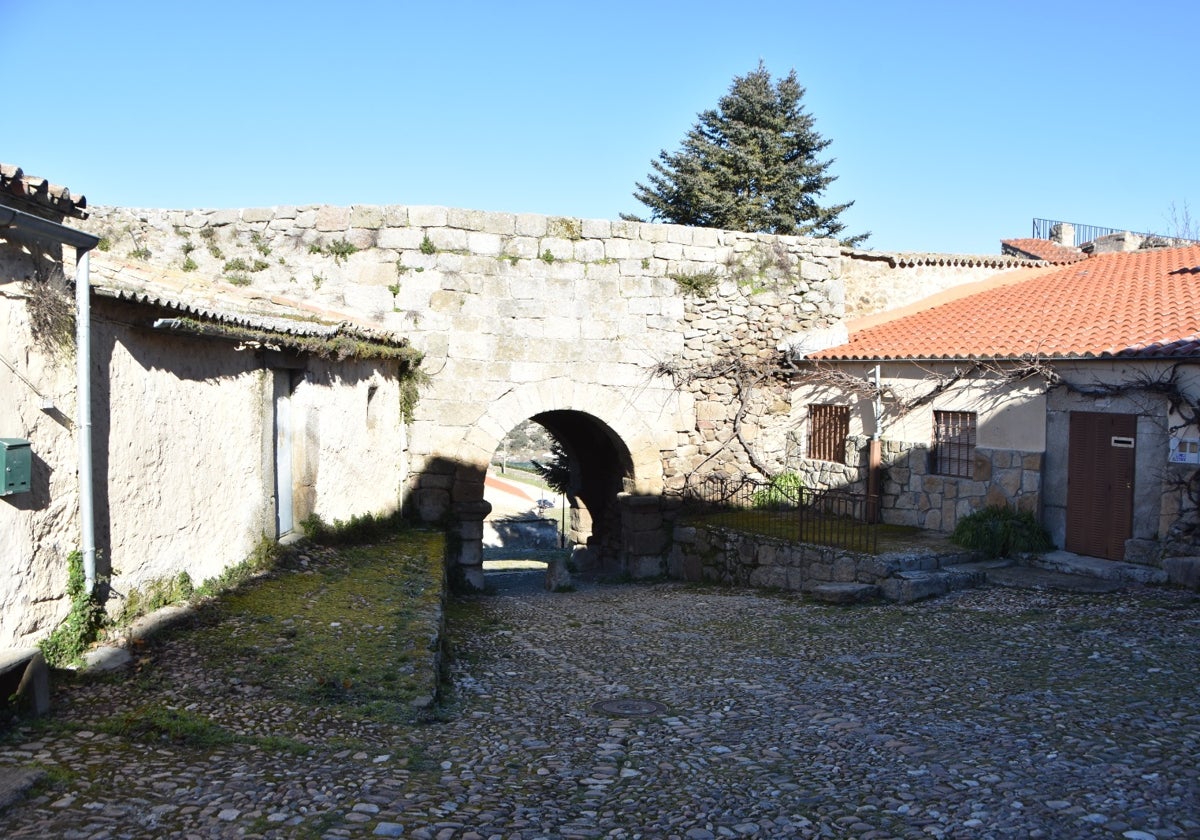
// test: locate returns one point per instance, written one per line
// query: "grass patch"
(354, 531)
(351, 630)
(156, 594)
(153, 723)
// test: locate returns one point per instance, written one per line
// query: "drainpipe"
(83, 363)
(875, 455)
(877, 405)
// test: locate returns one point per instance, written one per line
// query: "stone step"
(845, 593)
(928, 561)
(1065, 562)
(906, 587)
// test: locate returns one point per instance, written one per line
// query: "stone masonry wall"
(521, 313)
(878, 282)
(912, 495)
(730, 558)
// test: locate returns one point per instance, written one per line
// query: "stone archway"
(615, 451)
(601, 470)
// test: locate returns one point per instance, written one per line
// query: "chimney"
(1064, 234)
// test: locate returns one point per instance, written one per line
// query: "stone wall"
(670, 338)
(878, 281)
(520, 314)
(913, 495)
(730, 558)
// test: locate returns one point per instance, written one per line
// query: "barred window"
(953, 443)
(828, 428)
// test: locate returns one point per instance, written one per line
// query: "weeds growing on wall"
(65, 646)
(51, 314)
(427, 246)
(155, 595)
(340, 250)
(696, 284)
(1002, 532)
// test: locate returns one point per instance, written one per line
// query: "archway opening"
(576, 510)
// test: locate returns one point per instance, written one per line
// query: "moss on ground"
(356, 628)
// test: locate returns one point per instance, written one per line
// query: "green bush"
(1002, 532)
(783, 489)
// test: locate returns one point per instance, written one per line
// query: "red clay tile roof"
(1143, 304)
(1042, 249)
(21, 190)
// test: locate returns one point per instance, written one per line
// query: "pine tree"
(752, 164)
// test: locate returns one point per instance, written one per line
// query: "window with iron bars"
(953, 444)
(828, 428)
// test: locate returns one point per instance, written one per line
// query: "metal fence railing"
(784, 510)
(1044, 229)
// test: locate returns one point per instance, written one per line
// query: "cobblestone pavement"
(988, 713)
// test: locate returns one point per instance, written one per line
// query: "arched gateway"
(615, 455)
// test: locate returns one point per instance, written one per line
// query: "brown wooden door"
(1100, 467)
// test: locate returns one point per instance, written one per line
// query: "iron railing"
(1043, 228)
(782, 509)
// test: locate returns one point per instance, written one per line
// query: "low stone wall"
(912, 495)
(732, 558)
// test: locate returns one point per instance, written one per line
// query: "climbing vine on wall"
(746, 374)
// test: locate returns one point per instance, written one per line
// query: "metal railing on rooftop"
(1044, 229)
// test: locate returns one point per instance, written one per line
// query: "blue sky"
(953, 124)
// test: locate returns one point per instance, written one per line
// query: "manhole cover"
(629, 707)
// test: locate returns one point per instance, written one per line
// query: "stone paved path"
(993, 713)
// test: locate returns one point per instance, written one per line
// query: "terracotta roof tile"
(1042, 249)
(912, 260)
(19, 189)
(1127, 304)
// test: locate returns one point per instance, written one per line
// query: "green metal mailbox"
(16, 466)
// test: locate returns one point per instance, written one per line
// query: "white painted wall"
(38, 529)
(1010, 415)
